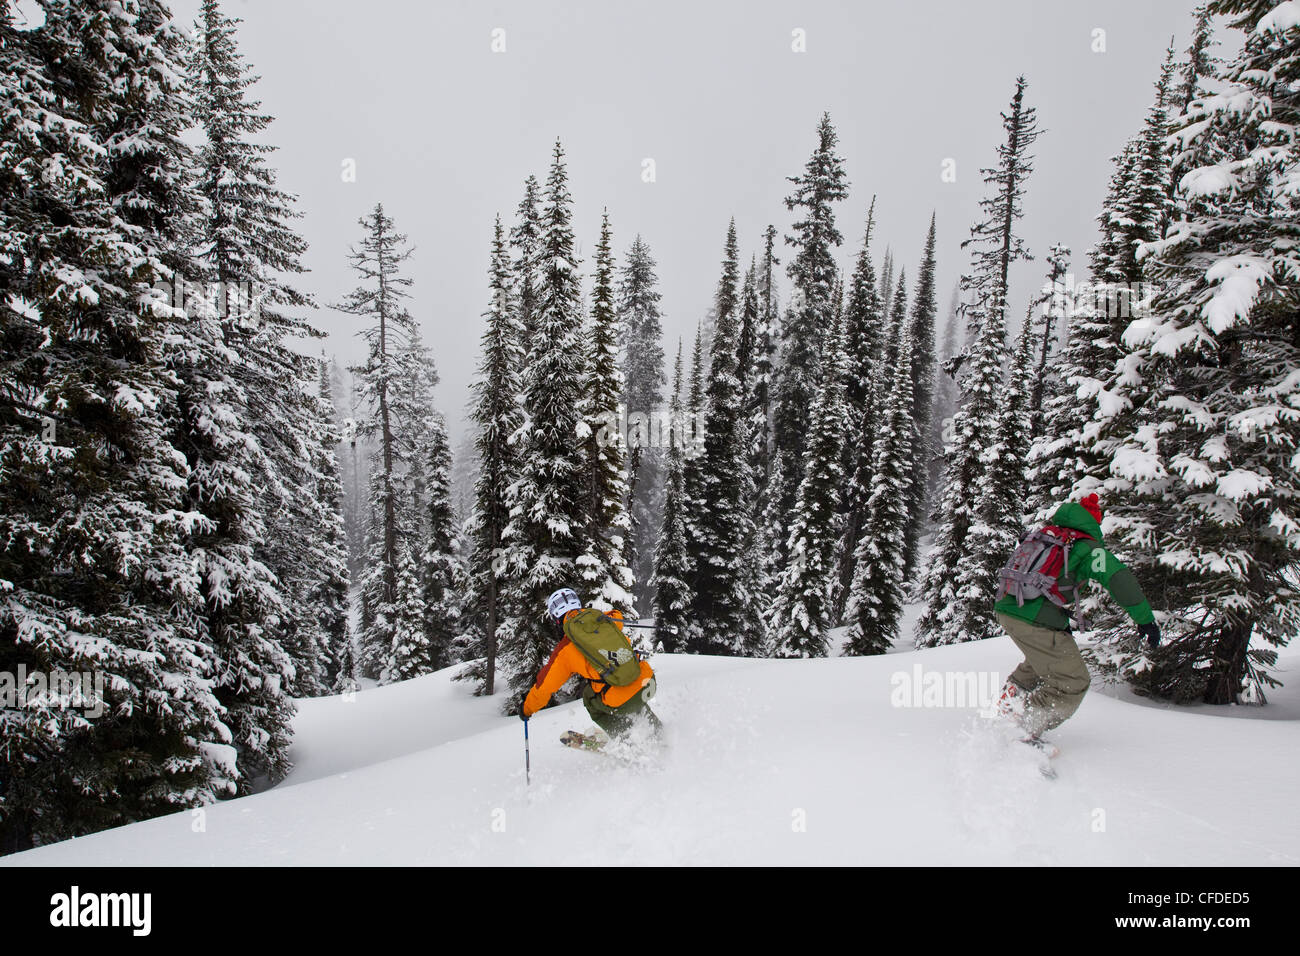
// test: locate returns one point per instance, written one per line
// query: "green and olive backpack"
(605, 646)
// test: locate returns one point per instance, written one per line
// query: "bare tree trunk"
(1229, 665)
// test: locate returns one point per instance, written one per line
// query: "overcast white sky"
(443, 130)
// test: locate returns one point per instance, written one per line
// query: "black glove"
(521, 707)
(1151, 631)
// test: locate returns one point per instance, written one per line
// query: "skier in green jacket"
(1038, 584)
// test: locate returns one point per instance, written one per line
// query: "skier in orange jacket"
(614, 709)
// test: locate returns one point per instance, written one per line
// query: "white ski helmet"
(563, 601)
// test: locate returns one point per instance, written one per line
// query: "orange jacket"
(565, 661)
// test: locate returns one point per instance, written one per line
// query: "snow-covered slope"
(787, 762)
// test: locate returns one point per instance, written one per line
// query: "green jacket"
(1088, 561)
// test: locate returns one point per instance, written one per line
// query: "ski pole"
(653, 627)
(528, 766)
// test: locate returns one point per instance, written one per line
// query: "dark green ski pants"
(619, 720)
(1052, 674)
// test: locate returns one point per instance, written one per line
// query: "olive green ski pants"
(618, 720)
(1053, 673)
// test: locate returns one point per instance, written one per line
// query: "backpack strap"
(1071, 584)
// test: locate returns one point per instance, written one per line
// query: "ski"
(620, 751)
(1047, 750)
(592, 743)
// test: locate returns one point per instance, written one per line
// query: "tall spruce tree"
(767, 543)
(1202, 447)
(1055, 303)
(765, 346)
(606, 577)
(329, 597)
(720, 552)
(998, 510)
(384, 383)
(812, 272)
(879, 585)
(996, 247)
(753, 372)
(887, 281)
(897, 319)
(800, 617)
(641, 330)
(747, 340)
(692, 438)
(248, 249)
(430, 540)
(498, 417)
(441, 569)
(863, 335)
(526, 243)
(548, 515)
(151, 182)
(673, 569)
(640, 327)
(93, 517)
(924, 309)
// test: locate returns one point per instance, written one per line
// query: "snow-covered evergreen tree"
(408, 653)
(998, 510)
(747, 337)
(673, 569)
(641, 330)
(93, 517)
(1065, 460)
(996, 247)
(606, 578)
(812, 273)
(863, 334)
(248, 249)
(544, 537)
(329, 598)
(425, 521)
(1202, 446)
(897, 319)
(887, 282)
(770, 527)
(385, 383)
(526, 243)
(442, 571)
(723, 529)
(1144, 205)
(1056, 307)
(640, 325)
(800, 616)
(692, 438)
(766, 338)
(1201, 62)
(879, 587)
(498, 417)
(922, 331)
(151, 180)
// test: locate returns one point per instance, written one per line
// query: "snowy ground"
(785, 762)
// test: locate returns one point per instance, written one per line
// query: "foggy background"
(444, 131)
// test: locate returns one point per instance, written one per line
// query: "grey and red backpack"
(1039, 569)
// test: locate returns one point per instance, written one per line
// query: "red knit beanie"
(1092, 505)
